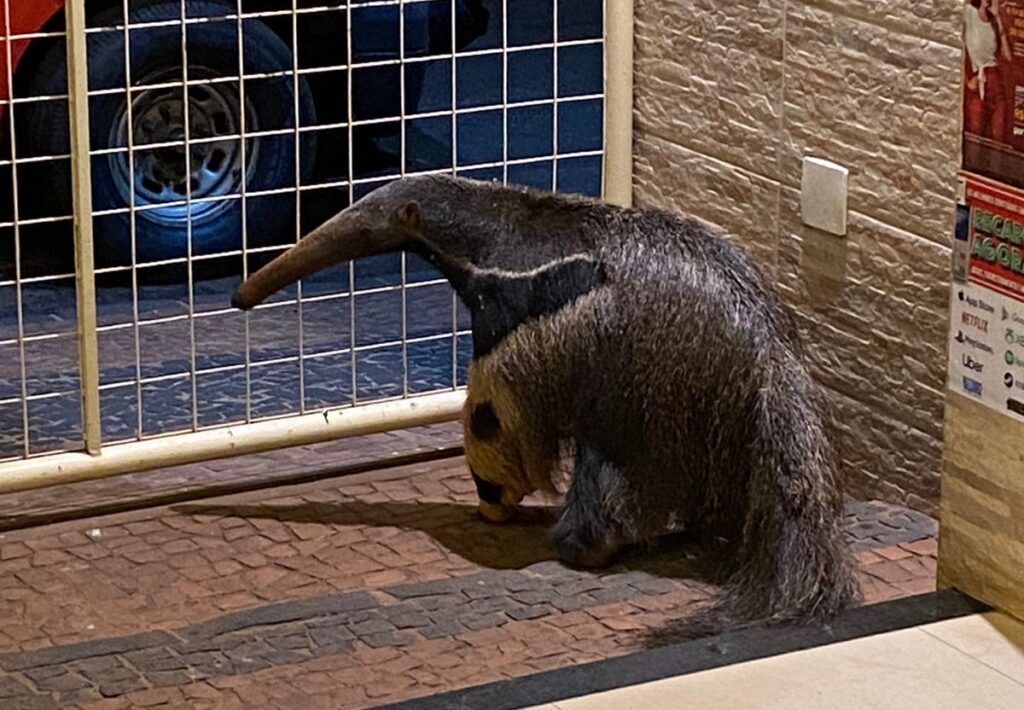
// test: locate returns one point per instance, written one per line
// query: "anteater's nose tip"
(239, 302)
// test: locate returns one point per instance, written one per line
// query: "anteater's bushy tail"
(793, 563)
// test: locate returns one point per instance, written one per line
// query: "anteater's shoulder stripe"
(500, 301)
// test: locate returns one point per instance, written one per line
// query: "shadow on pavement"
(677, 561)
(457, 527)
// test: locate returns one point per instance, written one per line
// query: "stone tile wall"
(729, 97)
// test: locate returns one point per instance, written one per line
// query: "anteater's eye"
(483, 422)
(487, 491)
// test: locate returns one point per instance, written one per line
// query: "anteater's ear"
(409, 216)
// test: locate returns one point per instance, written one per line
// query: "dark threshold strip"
(698, 655)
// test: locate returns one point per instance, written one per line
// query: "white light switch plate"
(823, 195)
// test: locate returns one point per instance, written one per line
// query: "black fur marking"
(483, 422)
(488, 492)
(500, 304)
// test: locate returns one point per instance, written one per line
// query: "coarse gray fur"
(663, 358)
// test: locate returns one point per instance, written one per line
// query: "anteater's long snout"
(345, 236)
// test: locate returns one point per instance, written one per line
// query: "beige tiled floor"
(972, 663)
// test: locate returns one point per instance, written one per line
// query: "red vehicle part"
(26, 17)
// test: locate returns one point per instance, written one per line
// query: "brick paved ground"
(346, 593)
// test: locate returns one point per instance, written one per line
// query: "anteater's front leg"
(585, 534)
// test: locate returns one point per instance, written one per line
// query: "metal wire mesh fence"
(220, 131)
(39, 374)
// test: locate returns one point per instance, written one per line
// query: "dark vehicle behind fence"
(240, 134)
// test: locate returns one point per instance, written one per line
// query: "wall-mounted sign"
(986, 346)
(993, 105)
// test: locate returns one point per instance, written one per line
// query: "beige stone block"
(708, 76)
(874, 309)
(864, 371)
(1003, 489)
(984, 565)
(991, 512)
(881, 457)
(936, 20)
(970, 444)
(882, 103)
(745, 205)
(755, 26)
(982, 540)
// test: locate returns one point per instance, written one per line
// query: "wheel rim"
(159, 177)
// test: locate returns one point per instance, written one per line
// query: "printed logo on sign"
(977, 303)
(976, 344)
(972, 386)
(971, 364)
(1016, 318)
(1012, 382)
(975, 322)
(1014, 338)
(1011, 359)
(1015, 406)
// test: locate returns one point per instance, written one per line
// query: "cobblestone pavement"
(346, 593)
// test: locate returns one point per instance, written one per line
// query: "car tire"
(158, 175)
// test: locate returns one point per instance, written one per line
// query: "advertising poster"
(986, 348)
(993, 84)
